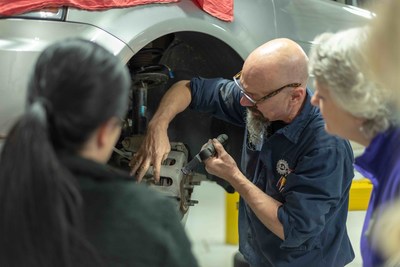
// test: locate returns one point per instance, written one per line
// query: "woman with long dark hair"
(60, 204)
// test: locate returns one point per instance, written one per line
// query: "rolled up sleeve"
(314, 192)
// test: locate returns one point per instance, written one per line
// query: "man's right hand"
(156, 147)
(153, 151)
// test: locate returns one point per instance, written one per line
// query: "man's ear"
(297, 94)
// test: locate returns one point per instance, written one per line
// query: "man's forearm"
(264, 206)
(175, 100)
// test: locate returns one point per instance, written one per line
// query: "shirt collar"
(373, 161)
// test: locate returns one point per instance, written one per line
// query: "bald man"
(294, 178)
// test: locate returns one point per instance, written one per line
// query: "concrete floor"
(205, 226)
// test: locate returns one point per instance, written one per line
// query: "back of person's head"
(336, 61)
(76, 86)
(81, 85)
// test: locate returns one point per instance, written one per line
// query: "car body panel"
(302, 20)
(21, 41)
(151, 21)
(125, 31)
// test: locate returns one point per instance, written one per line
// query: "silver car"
(161, 44)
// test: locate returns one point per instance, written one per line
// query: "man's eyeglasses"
(236, 79)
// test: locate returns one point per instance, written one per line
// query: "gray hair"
(336, 61)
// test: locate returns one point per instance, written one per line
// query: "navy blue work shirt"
(318, 171)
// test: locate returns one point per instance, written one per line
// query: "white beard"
(256, 126)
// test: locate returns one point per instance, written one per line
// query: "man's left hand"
(222, 164)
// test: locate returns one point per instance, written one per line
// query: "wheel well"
(186, 55)
(189, 54)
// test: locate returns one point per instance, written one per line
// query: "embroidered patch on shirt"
(282, 167)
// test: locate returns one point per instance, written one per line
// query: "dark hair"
(76, 86)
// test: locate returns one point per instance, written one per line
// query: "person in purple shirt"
(358, 108)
